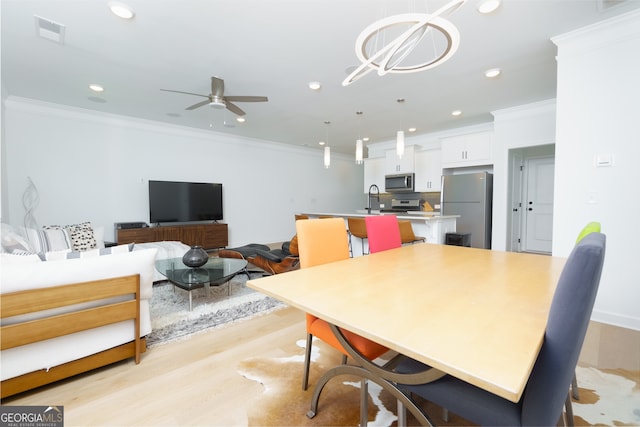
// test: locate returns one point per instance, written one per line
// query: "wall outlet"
(436, 206)
(381, 205)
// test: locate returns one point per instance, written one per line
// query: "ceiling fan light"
(217, 104)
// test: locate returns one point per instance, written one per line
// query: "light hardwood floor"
(189, 382)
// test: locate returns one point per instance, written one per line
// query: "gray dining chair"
(546, 390)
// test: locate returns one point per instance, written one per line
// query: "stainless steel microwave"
(400, 183)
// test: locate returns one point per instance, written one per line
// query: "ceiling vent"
(50, 30)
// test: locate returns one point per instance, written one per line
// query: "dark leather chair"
(278, 261)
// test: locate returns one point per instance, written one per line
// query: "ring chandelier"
(388, 58)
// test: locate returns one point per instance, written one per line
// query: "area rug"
(171, 319)
(605, 398)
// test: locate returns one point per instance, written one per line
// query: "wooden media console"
(208, 236)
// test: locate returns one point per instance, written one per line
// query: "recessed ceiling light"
(96, 88)
(488, 6)
(456, 113)
(321, 142)
(412, 129)
(365, 139)
(315, 85)
(121, 10)
(241, 119)
(494, 72)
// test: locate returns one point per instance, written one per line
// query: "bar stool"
(357, 228)
(406, 233)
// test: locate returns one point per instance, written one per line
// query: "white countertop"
(410, 215)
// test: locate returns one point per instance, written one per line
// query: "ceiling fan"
(217, 99)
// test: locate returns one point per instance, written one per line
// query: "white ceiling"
(274, 48)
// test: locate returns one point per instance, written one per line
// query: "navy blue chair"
(546, 390)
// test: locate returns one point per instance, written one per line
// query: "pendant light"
(327, 149)
(400, 143)
(327, 157)
(359, 159)
(400, 134)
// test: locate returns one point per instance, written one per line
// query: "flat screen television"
(171, 201)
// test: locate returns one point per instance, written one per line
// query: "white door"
(538, 207)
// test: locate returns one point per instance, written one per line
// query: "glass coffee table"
(216, 272)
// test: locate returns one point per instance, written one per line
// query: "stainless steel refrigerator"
(470, 196)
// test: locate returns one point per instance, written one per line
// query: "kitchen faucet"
(373, 187)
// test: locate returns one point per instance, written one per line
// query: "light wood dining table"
(477, 314)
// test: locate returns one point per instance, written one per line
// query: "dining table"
(476, 314)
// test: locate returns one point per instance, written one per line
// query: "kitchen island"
(430, 225)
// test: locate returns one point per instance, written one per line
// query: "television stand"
(208, 236)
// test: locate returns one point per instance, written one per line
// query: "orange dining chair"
(383, 233)
(357, 228)
(321, 242)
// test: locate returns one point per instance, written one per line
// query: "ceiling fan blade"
(217, 87)
(188, 93)
(246, 98)
(235, 109)
(198, 105)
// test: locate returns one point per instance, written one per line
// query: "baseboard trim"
(608, 346)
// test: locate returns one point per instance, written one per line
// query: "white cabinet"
(467, 150)
(428, 165)
(374, 171)
(395, 164)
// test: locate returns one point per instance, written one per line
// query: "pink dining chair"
(383, 232)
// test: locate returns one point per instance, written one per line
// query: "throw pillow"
(81, 236)
(54, 238)
(13, 242)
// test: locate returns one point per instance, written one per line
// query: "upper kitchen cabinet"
(428, 165)
(395, 164)
(374, 171)
(472, 149)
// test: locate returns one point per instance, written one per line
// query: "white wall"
(524, 126)
(95, 167)
(597, 115)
